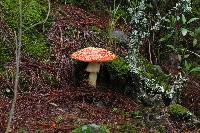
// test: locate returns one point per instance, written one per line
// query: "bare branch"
(193, 53)
(18, 56)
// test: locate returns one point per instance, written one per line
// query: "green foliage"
(196, 71)
(136, 114)
(117, 13)
(91, 128)
(33, 12)
(177, 110)
(118, 68)
(181, 33)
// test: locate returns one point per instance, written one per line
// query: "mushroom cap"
(92, 54)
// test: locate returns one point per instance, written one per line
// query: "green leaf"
(166, 37)
(167, 20)
(197, 30)
(183, 19)
(192, 20)
(192, 33)
(194, 42)
(171, 46)
(179, 57)
(196, 69)
(178, 18)
(184, 31)
(186, 56)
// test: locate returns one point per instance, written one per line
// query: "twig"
(193, 53)
(18, 55)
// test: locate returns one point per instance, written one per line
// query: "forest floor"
(65, 109)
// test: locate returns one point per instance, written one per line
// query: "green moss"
(151, 71)
(177, 110)
(91, 128)
(33, 12)
(36, 46)
(5, 56)
(37, 51)
(118, 68)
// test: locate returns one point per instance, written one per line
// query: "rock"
(120, 36)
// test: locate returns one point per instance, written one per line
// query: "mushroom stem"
(92, 78)
(93, 68)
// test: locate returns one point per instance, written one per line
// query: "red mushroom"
(93, 56)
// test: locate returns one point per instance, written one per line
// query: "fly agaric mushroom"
(93, 56)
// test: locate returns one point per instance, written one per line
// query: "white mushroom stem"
(93, 68)
(92, 78)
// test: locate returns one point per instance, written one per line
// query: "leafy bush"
(91, 128)
(177, 110)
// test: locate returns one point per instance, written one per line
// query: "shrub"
(177, 110)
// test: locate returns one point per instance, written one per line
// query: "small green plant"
(119, 68)
(50, 79)
(21, 130)
(177, 110)
(196, 71)
(38, 131)
(117, 13)
(136, 114)
(91, 128)
(59, 119)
